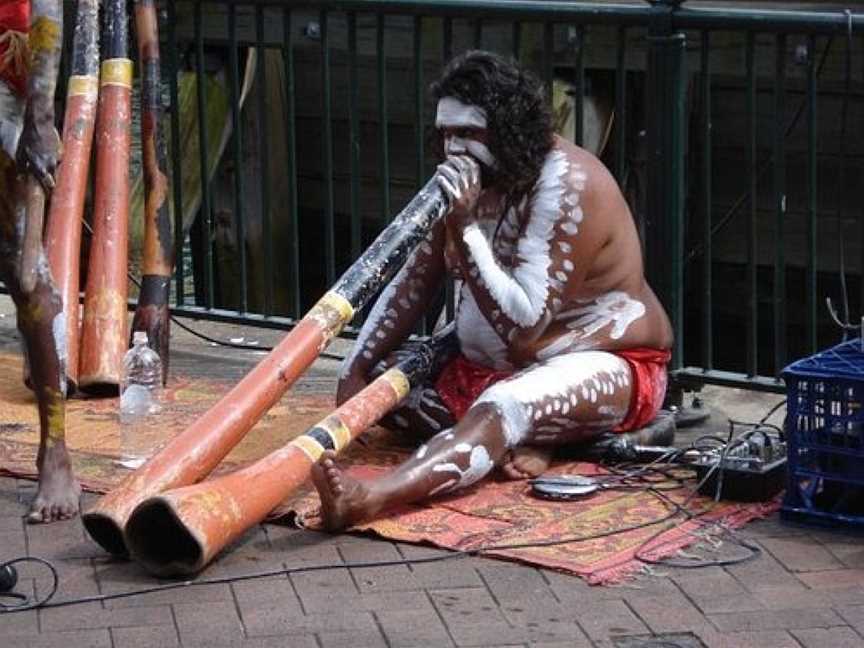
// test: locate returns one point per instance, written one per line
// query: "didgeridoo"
(103, 332)
(151, 312)
(179, 531)
(63, 229)
(193, 453)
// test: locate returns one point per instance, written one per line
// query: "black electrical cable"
(9, 569)
(45, 601)
(620, 477)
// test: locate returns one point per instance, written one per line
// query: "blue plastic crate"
(825, 435)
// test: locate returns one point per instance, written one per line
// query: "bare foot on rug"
(527, 462)
(59, 492)
(344, 500)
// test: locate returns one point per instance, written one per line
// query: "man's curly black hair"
(519, 121)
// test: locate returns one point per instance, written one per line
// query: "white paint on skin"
(521, 294)
(479, 465)
(478, 340)
(58, 330)
(616, 308)
(421, 451)
(452, 113)
(557, 377)
(11, 119)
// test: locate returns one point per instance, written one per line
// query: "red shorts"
(461, 382)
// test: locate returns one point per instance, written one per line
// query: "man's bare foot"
(344, 500)
(527, 462)
(59, 492)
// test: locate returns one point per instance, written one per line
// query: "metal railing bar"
(698, 376)
(354, 137)
(419, 123)
(264, 151)
(630, 14)
(752, 357)
(327, 153)
(548, 53)
(203, 157)
(779, 188)
(516, 39)
(176, 164)
(383, 119)
(813, 197)
(621, 106)
(707, 257)
(291, 153)
(234, 90)
(579, 87)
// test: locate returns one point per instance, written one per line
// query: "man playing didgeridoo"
(560, 337)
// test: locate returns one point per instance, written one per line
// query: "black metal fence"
(736, 135)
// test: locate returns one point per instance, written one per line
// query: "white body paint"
(11, 119)
(383, 314)
(616, 308)
(556, 378)
(478, 341)
(521, 294)
(479, 465)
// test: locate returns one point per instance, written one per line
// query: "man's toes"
(37, 514)
(511, 472)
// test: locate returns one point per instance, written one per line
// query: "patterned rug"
(500, 512)
(493, 513)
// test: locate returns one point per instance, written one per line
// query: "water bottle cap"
(139, 337)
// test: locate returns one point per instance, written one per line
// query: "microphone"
(8, 578)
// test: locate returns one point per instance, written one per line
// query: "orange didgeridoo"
(63, 228)
(103, 332)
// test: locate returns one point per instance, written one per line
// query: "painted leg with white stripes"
(567, 399)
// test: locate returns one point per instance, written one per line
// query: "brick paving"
(806, 589)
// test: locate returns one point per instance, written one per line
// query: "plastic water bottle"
(140, 399)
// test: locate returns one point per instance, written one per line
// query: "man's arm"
(399, 307)
(553, 255)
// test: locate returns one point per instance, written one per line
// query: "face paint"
(453, 114)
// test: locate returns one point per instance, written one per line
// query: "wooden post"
(151, 313)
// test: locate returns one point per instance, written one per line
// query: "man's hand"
(459, 178)
(39, 150)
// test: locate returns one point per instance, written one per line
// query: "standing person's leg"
(565, 399)
(40, 321)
